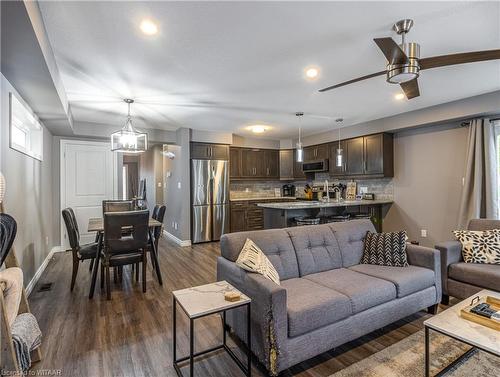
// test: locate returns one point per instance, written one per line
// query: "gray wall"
(429, 166)
(29, 195)
(178, 199)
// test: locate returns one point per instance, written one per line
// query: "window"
(124, 182)
(26, 132)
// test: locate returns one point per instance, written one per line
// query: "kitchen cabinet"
(316, 152)
(234, 162)
(286, 164)
(334, 169)
(354, 164)
(272, 163)
(206, 151)
(253, 163)
(246, 215)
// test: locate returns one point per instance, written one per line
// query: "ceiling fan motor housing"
(399, 73)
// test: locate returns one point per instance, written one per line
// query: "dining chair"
(121, 249)
(117, 205)
(80, 252)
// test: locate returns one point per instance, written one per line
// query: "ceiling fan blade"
(353, 81)
(410, 88)
(461, 58)
(391, 50)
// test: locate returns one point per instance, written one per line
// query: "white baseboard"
(176, 240)
(39, 272)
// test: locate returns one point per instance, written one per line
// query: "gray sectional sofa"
(326, 297)
(460, 279)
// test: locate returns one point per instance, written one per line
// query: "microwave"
(315, 166)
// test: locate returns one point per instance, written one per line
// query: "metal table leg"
(154, 256)
(249, 342)
(96, 265)
(427, 361)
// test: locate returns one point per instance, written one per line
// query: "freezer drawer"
(201, 224)
(220, 223)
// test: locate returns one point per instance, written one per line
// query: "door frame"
(62, 172)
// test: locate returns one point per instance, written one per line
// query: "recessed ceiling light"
(258, 128)
(148, 27)
(399, 96)
(312, 73)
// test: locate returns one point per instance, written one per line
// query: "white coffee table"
(202, 301)
(450, 323)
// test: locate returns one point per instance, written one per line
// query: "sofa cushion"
(253, 259)
(275, 243)
(385, 249)
(407, 280)
(311, 306)
(363, 291)
(350, 236)
(479, 274)
(316, 247)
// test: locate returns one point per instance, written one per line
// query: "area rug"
(406, 359)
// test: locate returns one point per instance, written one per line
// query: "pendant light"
(129, 140)
(339, 157)
(300, 150)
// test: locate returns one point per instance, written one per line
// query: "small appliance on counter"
(288, 190)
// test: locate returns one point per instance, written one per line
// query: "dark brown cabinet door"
(238, 220)
(253, 162)
(286, 164)
(354, 149)
(297, 167)
(200, 151)
(309, 154)
(334, 169)
(374, 154)
(234, 162)
(272, 163)
(219, 152)
(322, 151)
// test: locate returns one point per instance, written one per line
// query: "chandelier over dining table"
(129, 140)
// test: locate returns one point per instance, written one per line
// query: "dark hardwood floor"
(131, 335)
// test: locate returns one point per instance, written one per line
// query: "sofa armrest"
(451, 252)
(268, 308)
(428, 258)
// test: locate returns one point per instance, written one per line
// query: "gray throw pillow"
(385, 249)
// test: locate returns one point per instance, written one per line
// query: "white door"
(88, 176)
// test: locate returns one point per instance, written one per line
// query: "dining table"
(96, 224)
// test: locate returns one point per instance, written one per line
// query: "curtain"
(480, 192)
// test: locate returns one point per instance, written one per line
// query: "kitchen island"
(283, 214)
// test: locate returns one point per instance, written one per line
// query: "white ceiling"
(222, 66)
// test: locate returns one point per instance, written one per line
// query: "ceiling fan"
(404, 63)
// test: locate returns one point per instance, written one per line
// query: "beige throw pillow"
(481, 246)
(252, 259)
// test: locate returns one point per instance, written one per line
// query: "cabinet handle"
(364, 165)
(211, 152)
(267, 169)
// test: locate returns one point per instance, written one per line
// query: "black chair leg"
(108, 282)
(76, 263)
(115, 275)
(102, 275)
(91, 265)
(144, 263)
(137, 272)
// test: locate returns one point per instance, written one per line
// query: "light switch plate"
(423, 233)
(179, 185)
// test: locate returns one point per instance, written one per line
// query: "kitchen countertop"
(316, 204)
(289, 198)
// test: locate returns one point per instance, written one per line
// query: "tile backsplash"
(383, 188)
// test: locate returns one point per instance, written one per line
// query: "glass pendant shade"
(339, 158)
(128, 140)
(300, 153)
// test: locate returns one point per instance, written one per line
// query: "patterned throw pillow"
(385, 249)
(252, 259)
(481, 246)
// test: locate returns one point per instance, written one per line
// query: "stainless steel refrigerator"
(210, 200)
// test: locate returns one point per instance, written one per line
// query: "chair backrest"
(117, 205)
(74, 220)
(483, 224)
(71, 228)
(136, 224)
(8, 230)
(158, 215)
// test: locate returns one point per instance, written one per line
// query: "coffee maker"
(288, 190)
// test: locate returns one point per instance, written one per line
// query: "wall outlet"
(173, 224)
(159, 184)
(176, 226)
(363, 189)
(179, 185)
(423, 233)
(169, 174)
(46, 240)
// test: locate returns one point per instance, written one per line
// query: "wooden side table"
(201, 301)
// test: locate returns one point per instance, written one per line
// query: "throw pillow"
(252, 259)
(481, 246)
(385, 249)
